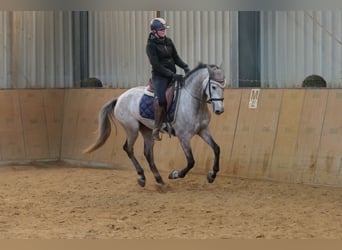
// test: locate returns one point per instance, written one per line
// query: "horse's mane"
(199, 66)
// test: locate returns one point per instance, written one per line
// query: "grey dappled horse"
(204, 84)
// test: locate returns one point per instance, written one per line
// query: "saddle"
(169, 92)
(147, 105)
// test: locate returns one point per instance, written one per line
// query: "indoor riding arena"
(280, 170)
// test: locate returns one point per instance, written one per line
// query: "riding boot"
(159, 113)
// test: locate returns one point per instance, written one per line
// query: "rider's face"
(161, 33)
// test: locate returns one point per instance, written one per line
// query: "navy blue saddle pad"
(147, 110)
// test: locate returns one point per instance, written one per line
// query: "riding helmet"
(158, 23)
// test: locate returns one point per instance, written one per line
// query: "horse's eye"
(213, 87)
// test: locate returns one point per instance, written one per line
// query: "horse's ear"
(210, 70)
(221, 65)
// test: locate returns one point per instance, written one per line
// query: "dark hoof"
(141, 182)
(173, 175)
(211, 177)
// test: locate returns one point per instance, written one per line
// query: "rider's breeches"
(160, 85)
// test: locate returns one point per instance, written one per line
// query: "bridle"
(220, 83)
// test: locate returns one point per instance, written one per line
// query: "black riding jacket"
(163, 56)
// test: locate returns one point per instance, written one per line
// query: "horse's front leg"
(185, 143)
(205, 135)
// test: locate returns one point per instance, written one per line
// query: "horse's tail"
(104, 128)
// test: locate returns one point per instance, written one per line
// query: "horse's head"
(214, 88)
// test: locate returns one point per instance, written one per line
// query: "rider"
(163, 57)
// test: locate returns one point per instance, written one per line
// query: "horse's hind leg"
(205, 135)
(128, 147)
(148, 152)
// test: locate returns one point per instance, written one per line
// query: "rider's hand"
(178, 78)
(186, 70)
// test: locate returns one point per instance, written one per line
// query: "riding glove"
(178, 78)
(186, 70)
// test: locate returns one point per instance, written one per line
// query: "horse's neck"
(193, 97)
(195, 85)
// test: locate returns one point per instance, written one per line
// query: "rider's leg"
(159, 114)
(160, 85)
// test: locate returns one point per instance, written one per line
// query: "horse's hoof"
(211, 177)
(141, 182)
(174, 175)
(162, 188)
(160, 180)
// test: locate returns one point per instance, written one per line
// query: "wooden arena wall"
(293, 135)
(31, 123)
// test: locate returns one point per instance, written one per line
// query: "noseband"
(221, 84)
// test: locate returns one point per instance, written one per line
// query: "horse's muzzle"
(217, 104)
(218, 112)
(218, 107)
